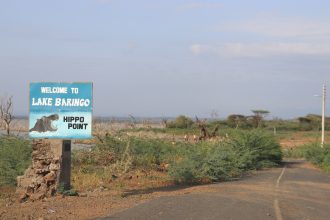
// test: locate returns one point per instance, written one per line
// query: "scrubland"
(128, 162)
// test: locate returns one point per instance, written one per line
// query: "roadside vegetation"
(313, 153)
(15, 157)
(182, 162)
(184, 151)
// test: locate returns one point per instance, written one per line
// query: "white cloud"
(261, 49)
(276, 26)
(198, 49)
(271, 36)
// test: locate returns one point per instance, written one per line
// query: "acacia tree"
(6, 113)
(236, 120)
(258, 117)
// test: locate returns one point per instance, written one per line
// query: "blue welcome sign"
(61, 110)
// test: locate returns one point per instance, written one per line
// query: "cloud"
(200, 5)
(271, 36)
(260, 49)
(198, 49)
(277, 26)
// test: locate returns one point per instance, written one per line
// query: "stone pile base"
(41, 178)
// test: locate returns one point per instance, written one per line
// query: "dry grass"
(300, 138)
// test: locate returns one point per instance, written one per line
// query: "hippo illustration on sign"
(44, 124)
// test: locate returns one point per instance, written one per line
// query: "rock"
(82, 194)
(56, 160)
(128, 177)
(22, 182)
(51, 211)
(35, 153)
(47, 161)
(54, 167)
(30, 189)
(39, 180)
(50, 177)
(37, 196)
(34, 147)
(23, 197)
(42, 188)
(42, 171)
(114, 176)
(51, 191)
(37, 165)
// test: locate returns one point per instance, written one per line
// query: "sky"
(164, 58)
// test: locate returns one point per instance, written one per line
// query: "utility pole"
(323, 112)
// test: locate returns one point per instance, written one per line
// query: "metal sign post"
(65, 174)
(324, 92)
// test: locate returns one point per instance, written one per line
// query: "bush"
(189, 162)
(148, 152)
(221, 163)
(225, 160)
(256, 149)
(313, 153)
(15, 157)
(317, 155)
(121, 154)
(181, 122)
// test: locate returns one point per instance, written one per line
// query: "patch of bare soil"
(87, 207)
(296, 143)
(300, 138)
(102, 201)
(307, 165)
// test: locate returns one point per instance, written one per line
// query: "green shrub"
(326, 162)
(256, 149)
(189, 162)
(138, 152)
(15, 157)
(68, 192)
(148, 152)
(225, 160)
(221, 163)
(317, 155)
(181, 122)
(313, 153)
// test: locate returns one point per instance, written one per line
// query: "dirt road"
(294, 191)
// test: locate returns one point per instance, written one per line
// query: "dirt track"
(295, 191)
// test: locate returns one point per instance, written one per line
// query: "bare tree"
(214, 114)
(204, 133)
(6, 112)
(165, 122)
(236, 120)
(133, 121)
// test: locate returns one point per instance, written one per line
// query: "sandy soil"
(98, 203)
